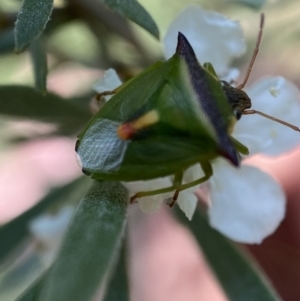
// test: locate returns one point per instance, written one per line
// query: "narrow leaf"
(33, 291)
(255, 4)
(132, 10)
(91, 245)
(12, 233)
(7, 42)
(25, 102)
(97, 15)
(31, 21)
(118, 289)
(39, 61)
(240, 278)
(21, 274)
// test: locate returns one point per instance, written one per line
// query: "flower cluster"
(245, 203)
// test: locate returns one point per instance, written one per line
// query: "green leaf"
(18, 276)
(39, 60)
(91, 245)
(132, 10)
(118, 287)
(31, 21)
(12, 233)
(25, 102)
(7, 42)
(255, 4)
(33, 291)
(240, 278)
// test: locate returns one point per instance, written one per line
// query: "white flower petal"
(193, 173)
(108, 82)
(214, 38)
(271, 137)
(49, 231)
(231, 75)
(151, 203)
(154, 184)
(247, 205)
(187, 202)
(253, 140)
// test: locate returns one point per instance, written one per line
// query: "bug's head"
(237, 98)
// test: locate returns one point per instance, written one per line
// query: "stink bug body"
(171, 116)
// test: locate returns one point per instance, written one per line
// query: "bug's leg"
(240, 147)
(207, 169)
(105, 93)
(176, 183)
(141, 194)
(100, 100)
(210, 68)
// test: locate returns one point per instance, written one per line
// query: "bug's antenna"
(246, 112)
(262, 21)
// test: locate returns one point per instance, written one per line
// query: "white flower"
(272, 138)
(150, 203)
(49, 231)
(245, 203)
(108, 82)
(213, 37)
(187, 200)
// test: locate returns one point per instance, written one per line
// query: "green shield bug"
(169, 117)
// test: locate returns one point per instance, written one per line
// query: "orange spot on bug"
(126, 131)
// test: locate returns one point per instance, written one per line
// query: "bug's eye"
(237, 113)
